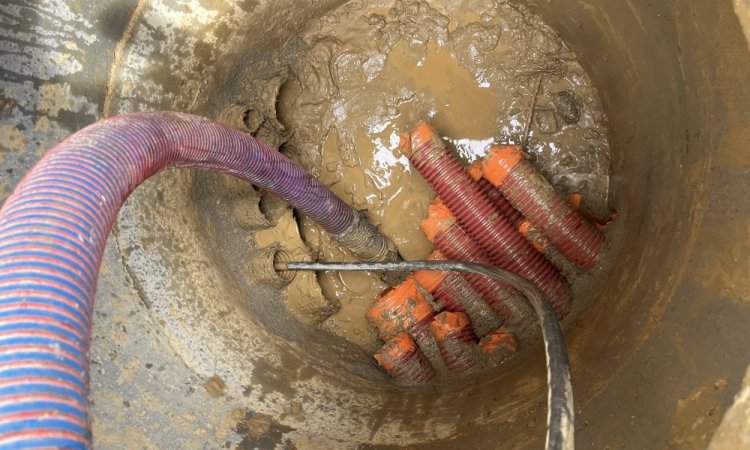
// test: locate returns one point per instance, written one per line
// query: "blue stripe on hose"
(49, 423)
(44, 406)
(29, 204)
(81, 187)
(25, 224)
(39, 235)
(45, 355)
(66, 171)
(44, 443)
(78, 312)
(43, 371)
(21, 326)
(44, 387)
(29, 273)
(25, 216)
(46, 254)
(40, 341)
(32, 264)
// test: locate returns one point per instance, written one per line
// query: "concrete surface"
(674, 80)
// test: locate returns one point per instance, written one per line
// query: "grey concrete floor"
(142, 395)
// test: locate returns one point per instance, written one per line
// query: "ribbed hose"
(507, 302)
(449, 296)
(579, 240)
(502, 205)
(575, 237)
(477, 216)
(404, 361)
(53, 229)
(455, 340)
(451, 292)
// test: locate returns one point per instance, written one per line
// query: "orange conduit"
(456, 340)
(478, 217)
(402, 309)
(500, 341)
(404, 361)
(442, 229)
(501, 203)
(525, 187)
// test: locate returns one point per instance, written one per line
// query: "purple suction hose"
(53, 229)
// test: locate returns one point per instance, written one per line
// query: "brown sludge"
(370, 71)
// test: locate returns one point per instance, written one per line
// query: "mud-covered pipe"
(53, 229)
(579, 240)
(477, 216)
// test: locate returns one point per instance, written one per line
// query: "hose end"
(500, 160)
(280, 259)
(500, 341)
(401, 308)
(404, 361)
(439, 218)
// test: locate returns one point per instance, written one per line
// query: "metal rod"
(532, 110)
(560, 410)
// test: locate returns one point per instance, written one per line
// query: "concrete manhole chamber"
(193, 348)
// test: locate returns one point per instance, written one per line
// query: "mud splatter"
(215, 386)
(12, 139)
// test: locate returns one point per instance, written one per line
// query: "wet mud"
(481, 72)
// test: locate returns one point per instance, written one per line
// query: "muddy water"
(481, 72)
